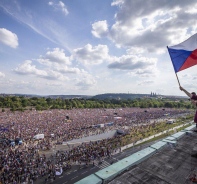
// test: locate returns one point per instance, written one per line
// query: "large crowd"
(25, 163)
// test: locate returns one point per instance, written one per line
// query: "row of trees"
(141, 133)
(21, 103)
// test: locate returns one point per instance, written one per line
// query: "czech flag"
(184, 55)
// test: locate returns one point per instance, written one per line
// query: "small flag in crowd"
(4, 129)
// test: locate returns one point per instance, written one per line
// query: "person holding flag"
(193, 98)
(183, 56)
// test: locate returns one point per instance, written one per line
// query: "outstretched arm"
(186, 92)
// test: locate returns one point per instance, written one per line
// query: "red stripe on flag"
(190, 61)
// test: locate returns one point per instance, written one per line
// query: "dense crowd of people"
(24, 163)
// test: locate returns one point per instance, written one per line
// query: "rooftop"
(167, 161)
(172, 164)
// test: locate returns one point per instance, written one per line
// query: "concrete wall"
(93, 137)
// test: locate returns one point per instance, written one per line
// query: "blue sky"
(92, 47)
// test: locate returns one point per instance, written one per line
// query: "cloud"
(59, 67)
(63, 7)
(55, 64)
(27, 69)
(117, 2)
(147, 72)
(2, 75)
(57, 56)
(85, 80)
(65, 70)
(54, 84)
(50, 3)
(186, 75)
(35, 21)
(135, 51)
(152, 26)
(48, 25)
(132, 62)
(22, 85)
(90, 55)
(54, 75)
(57, 60)
(100, 29)
(86, 83)
(8, 38)
(59, 6)
(146, 82)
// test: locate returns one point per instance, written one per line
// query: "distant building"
(152, 94)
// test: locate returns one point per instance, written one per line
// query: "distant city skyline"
(93, 47)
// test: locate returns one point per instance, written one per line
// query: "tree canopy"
(21, 103)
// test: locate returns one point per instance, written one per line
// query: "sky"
(90, 47)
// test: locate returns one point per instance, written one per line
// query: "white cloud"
(59, 67)
(135, 51)
(2, 75)
(90, 55)
(54, 75)
(133, 62)
(65, 70)
(186, 76)
(54, 84)
(56, 60)
(85, 80)
(146, 83)
(50, 3)
(63, 7)
(100, 29)
(192, 9)
(22, 85)
(48, 25)
(8, 38)
(59, 6)
(27, 68)
(151, 25)
(86, 83)
(57, 56)
(55, 64)
(7, 83)
(24, 82)
(117, 2)
(147, 72)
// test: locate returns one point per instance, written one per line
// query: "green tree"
(38, 107)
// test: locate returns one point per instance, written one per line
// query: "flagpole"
(178, 79)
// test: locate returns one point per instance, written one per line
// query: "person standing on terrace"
(193, 98)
